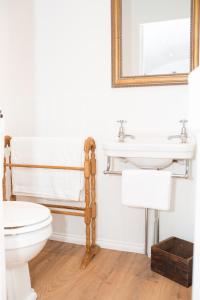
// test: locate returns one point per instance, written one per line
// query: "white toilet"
(27, 227)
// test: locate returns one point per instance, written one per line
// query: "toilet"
(27, 227)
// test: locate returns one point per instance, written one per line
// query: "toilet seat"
(22, 217)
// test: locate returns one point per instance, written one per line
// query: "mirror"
(154, 42)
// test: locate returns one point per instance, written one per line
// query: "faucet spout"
(129, 136)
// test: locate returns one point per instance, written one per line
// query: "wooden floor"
(112, 275)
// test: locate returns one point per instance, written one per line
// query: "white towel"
(146, 189)
(48, 183)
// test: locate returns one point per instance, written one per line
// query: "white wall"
(2, 249)
(17, 64)
(72, 95)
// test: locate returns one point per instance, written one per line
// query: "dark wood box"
(173, 259)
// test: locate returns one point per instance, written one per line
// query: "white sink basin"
(151, 151)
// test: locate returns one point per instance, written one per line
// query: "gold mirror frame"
(121, 81)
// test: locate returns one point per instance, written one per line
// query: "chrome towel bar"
(184, 175)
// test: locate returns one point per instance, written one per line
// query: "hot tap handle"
(183, 122)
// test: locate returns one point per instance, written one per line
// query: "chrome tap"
(121, 133)
(183, 136)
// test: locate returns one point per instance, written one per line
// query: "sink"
(151, 151)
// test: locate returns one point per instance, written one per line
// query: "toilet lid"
(20, 214)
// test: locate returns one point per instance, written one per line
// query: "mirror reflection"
(155, 37)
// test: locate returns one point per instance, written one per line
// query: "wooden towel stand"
(88, 212)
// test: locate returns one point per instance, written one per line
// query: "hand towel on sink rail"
(146, 189)
(48, 183)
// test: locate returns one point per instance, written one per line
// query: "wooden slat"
(4, 180)
(63, 206)
(44, 167)
(68, 213)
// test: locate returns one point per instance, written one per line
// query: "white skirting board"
(103, 243)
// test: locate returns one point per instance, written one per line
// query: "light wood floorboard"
(112, 275)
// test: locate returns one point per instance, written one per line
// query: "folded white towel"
(48, 183)
(146, 189)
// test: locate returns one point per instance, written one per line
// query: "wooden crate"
(173, 259)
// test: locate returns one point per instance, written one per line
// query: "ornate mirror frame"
(169, 79)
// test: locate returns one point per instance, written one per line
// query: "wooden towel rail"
(88, 212)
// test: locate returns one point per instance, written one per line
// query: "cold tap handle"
(121, 122)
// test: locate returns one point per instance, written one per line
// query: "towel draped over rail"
(81, 161)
